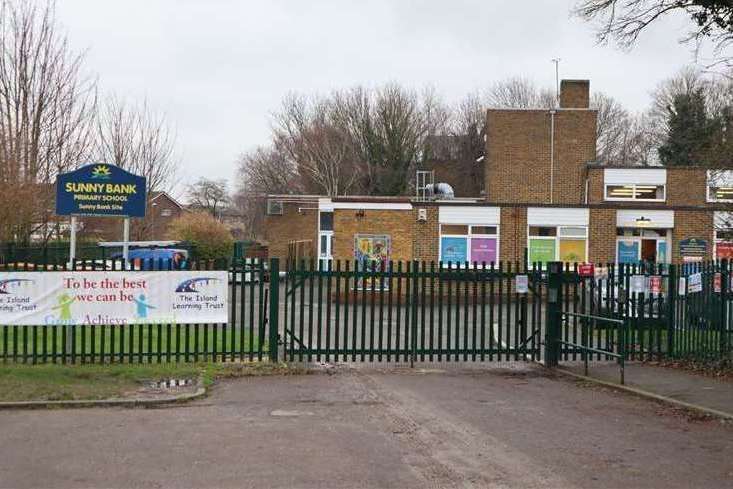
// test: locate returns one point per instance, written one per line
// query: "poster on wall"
(483, 250)
(572, 250)
(693, 247)
(541, 250)
(453, 250)
(628, 251)
(723, 250)
(661, 252)
(109, 298)
(372, 250)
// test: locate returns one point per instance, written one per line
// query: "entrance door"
(325, 248)
(649, 250)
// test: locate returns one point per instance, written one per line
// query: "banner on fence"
(113, 298)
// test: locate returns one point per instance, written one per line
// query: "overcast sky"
(218, 68)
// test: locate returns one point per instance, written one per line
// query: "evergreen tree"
(690, 133)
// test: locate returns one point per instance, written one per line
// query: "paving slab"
(677, 384)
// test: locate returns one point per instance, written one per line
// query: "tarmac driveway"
(374, 428)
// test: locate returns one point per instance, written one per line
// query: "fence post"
(552, 313)
(671, 307)
(273, 322)
(724, 274)
(413, 313)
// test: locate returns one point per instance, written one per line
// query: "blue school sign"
(100, 189)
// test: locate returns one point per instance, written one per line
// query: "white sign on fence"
(167, 297)
(522, 284)
(694, 283)
(637, 284)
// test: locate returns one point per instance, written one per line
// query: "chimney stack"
(574, 94)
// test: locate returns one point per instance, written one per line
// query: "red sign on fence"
(717, 282)
(586, 269)
(655, 284)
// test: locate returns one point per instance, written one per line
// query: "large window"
(720, 186)
(461, 243)
(568, 244)
(724, 244)
(635, 192)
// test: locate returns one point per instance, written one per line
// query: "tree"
(46, 114)
(136, 138)
(690, 131)
(625, 20)
(209, 195)
(211, 239)
(265, 170)
(520, 93)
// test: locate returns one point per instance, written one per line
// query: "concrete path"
(674, 383)
(368, 428)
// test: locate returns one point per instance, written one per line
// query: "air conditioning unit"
(274, 207)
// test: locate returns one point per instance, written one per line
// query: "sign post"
(126, 243)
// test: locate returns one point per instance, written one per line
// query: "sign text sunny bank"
(100, 190)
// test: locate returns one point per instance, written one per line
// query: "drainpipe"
(552, 154)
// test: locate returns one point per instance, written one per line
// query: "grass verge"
(95, 382)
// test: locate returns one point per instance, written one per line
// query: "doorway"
(649, 250)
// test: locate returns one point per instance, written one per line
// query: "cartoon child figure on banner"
(64, 307)
(142, 307)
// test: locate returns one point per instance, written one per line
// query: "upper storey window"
(636, 184)
(720, 185)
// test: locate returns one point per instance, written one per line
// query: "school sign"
(100, 190)
(113, 298)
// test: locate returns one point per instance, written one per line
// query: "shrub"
(210, 238)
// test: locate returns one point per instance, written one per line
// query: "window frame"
(709, 197)
(469, 236)
(558, 238)
(633, 198)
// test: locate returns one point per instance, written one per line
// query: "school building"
(544, 198)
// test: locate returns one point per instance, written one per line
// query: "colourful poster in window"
(483, 250)
(572, 250)
(453, 249)
(661, 252)
(724, 249)
(541, 250)
(628, 251)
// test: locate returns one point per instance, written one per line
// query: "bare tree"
(519, 93)
(625, 20)
(209, 195)
(139, 140)
(321, 151)
(265, 170)
(46, 111)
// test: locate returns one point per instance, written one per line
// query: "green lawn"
(144, 342)
(83, 382)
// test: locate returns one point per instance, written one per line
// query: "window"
(274, 207)
(720, 186)
(635, 192)
(326, 221)
(165, 213)
(568, 244)
(461, 243)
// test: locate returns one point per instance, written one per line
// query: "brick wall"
(575, 94)
(518, 155)
(686, 186)
(513, 233)
(692, 224)
(602, 236)
(290, 226)
(427, 235)
(398, 224)
(595, 185)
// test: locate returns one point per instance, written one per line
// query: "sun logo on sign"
(102, 172)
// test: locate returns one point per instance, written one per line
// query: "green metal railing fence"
(415, 312)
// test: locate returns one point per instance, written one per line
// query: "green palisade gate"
(410, 312)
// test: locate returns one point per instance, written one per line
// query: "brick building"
(544, 199)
